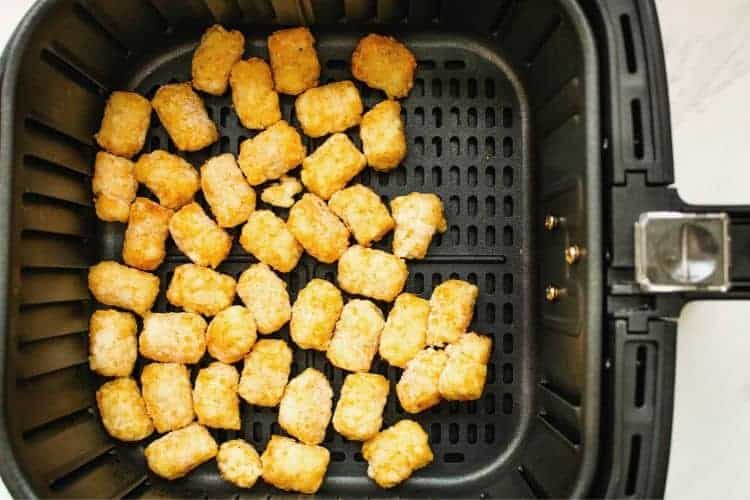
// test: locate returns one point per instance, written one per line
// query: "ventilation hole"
(403, 116)
(454, 276)
(489, 236)
(507, 373)
(471, 433)
(257, 432)
(472, 148)
(489, 433)
(223, 114)
(437, 240)
(383, 178)
(275, 428)
(472, 408)
(508, 206)
(224, 144)
(471, 176)
(338, 64)
(489, 117)
(453, 407)
(508, 313)
(471, 88)
(294, 369)
(155, 143)
(419, 87)
(471, 236)
(471, 119)
(489, 204)
(507, 403)
(419, 176)
(471, 206)
(627, 38)
(437, 117)
(329, 275)
(435, 433)
(419, 116)
(428, 64)
(489, 88)
(454, 65)
(454, 176)
(453, 458)
(507, 343)
(400, 176)
(454, 205)
(489, 283)
(507, 117)
(640, 377)
(436, 280)
(507, 147)
(358, 457)
(507, 236)
(489, 147)
(507, 177)
(507, 284)
(418, 145)
(472, 278)
(635, 110)
(633, 465)
(338, 456)
(71, 72)
(455, 146)
(455, 117)
(453, 88)
(489, 404)
(455, 235)
(437, 89)
(437, 146)
(419, 283)
(489, 314)
(437, 176)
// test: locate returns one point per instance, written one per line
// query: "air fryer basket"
(515, 105)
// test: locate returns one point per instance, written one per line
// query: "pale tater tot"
(451, 309)
(199, 237)
(175, 454)
(231, 334)
(114, 187)
(113, 346)
(292, 466)
(355, 339)
(255, 100)
(282, 193)
(384, 63)
(417, 390)
(265, 294)
(126, 119)
(123, 411)
(145, 243)
(293, 60)
(173, 180)
(329, 108)
(269, 239)
(184, 116)
(215, 396)
(363, 213)
(214, 57)
(314, 314)
(121, 286)
(231, 199)
(306, 407)
(395, 453)
(418, 217)
(168, 395)
(178, 337)
(383, 136)
(359, 411)
(465, 373)
(271, 154)
(405, 330)
(332, 166)
(372, 273)
(318, 230)
(239, 463)
(201, 290)
(266, 372)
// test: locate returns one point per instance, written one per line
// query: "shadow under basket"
(502, 123)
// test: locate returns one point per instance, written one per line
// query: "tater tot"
(231, 334)
(372, 273)
(114, 187)
(265, 294)
(113, 346)
(395, 453)
(173, 180)
(417, 389)
(281, 194)
(359, 411)
(121, 286)
(292, 466)
(123, 411)
(266, 372)
(451, 309)
(214, 57)
(405, 330)
(355, 339)
(269, 239)
(239, 463)
(318, 230)
(293, 60)
(145, 243)
(465, 373)
(332, 165)
(329, 108)
(126, 119)
(271, 154)
(215, 396)
(383, 136)
(184, 116)
(314, 314)
(173, 337)
(201, 290)
(168, 395)
(306, 407)
(231, 199)
(384, 63)
(418, 217)
(255, 100)
(175, 454)
(199, 237)
(363, 213)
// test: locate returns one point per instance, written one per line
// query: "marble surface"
(707, 46)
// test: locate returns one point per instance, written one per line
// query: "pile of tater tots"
(427, 338)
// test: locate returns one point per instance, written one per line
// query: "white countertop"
(707, 46)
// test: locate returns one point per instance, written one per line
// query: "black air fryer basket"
(544, 127)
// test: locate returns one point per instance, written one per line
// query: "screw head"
(551, 222)
(551, 293)
(572, 254)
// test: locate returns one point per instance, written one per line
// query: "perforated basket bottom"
(465, 144)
